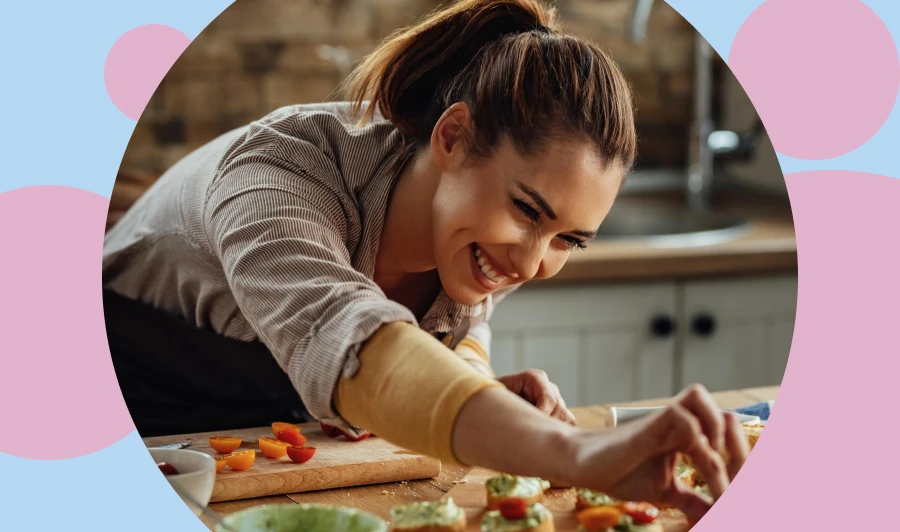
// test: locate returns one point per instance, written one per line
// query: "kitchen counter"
(769, 246)
(379, 499)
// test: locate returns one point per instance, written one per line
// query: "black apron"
(177, 378)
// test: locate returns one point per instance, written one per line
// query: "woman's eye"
(526, 209)
(573, 243)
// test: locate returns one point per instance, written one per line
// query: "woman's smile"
(485, 269)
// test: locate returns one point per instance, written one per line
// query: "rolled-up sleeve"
(281, 236)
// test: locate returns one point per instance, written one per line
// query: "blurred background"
(693, 277)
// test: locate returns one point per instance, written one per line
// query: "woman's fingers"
(700, 403)
(736, 444)
(561, 412)
(688, 500)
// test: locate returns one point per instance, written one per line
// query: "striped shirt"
(270, 232)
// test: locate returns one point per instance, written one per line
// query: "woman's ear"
(450, 136)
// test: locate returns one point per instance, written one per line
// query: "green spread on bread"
(534, 516)
(512, 486)
(596, 498)
(424, 513)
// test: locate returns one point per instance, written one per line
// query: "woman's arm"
(413, 391)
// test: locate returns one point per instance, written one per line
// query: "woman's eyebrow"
(548, 210)
(536, 196)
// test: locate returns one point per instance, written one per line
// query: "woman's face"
(509, 219)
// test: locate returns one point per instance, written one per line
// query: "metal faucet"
(705, 142)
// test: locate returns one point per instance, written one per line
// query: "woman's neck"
(405, 249)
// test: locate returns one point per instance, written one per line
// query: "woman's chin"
(465, 295)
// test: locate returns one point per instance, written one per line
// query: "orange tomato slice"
(300, 455)
(292, 436)
(224, 444)
(220, 462)
(273, 448)
(241, 460)
(278, 426)
(599, 518)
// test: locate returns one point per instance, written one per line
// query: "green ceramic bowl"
(303, 518)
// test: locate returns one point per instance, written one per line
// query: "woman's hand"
(535, 387)
(637, 460)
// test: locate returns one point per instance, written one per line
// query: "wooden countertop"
(379, 499)
(769, 246)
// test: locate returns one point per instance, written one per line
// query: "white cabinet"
(738, 332)
(598, 344)
(594, 342)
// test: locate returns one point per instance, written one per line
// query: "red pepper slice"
(642, 513)
(513, 509)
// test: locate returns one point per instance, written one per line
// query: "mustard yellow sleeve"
(471, 350)
(409, 390)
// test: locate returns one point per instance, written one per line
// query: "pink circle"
(137, 62)
(823, 75)
(832, 438)
(58, 387)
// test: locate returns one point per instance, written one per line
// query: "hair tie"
(543, 29)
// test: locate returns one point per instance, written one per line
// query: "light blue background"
(60, 127)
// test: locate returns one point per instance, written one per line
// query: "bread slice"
(424, 516)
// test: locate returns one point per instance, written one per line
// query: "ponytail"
(506, 60)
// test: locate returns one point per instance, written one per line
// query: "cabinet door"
(503, 354)
(595, 342)
(559, 354)
(625, 364)
(735, 331)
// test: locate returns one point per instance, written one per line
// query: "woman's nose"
(527, 259)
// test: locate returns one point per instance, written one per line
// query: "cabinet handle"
(703, 325)
(662, 326)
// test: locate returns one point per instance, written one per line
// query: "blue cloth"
(759, 409)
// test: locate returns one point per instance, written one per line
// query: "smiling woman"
(344, 259)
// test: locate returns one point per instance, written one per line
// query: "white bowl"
(196, 474)
(303, 518)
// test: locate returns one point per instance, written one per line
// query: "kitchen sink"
(650, 221)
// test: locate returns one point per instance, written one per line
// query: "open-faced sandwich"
(516, 515)
(440, 516)
(503, 487)
(598, 512)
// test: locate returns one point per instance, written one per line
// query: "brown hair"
(518, 76)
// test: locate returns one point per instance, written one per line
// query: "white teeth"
(486, 268)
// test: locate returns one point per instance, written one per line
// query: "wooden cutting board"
(469, 494)
(337, 463)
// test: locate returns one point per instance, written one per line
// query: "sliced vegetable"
(300, 455)
(273, 448)
(292, 436)
(241, 460)
(642, 513)
(278, 426)
(167, 468)
(224, 444)
(220, 462)
(330, 431)
(599, 518)
(513, 509)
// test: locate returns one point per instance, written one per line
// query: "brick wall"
(261, 54)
